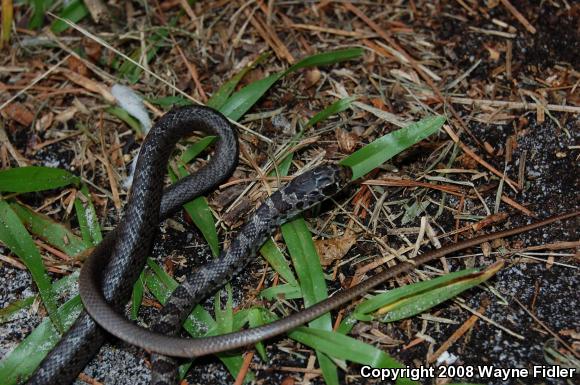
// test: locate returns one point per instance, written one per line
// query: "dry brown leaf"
(570, 333)
(90, 85)
(66, 115)
(330, 250)
(20, 113)
(77, 66)
(493, 53)
(288, 381)
(93, 49)
(467, 162)
(44, 122)
(346, 140)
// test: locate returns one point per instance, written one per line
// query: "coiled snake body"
(124, 251)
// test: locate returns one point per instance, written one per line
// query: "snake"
(109, 273)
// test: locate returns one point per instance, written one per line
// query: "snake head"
(331, 178)
(313, 187)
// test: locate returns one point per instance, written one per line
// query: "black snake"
(126, 249)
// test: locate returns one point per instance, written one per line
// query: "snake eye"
(330, 189)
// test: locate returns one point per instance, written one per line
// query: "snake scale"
(124, 251)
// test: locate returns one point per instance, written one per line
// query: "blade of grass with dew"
(200, 213)
(14, 307)
(161, 285)
(74, 10)
(7, 15)
(87, 217)
(376, 153)
(240, 102)
(54, 233)
(35, 178)
(219, 98)
(414, 299)
(19, 364)
(125, 117)
(224, 317)
(394, 296)
(347, 348)
(13, 235)
(346, 324)
(65, 284)
(313, 286)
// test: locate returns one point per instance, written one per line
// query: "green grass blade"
(19, 364)
(65, 284)
(286, 291)
(14, 235)
(333, 109)
(256, 319)
(137, 296)
(327, 58)
(74, 11)
(284, 166)
(240, 102)
(39, 8)
(307, 265)
(201, 215)
(311, 277)
(170, 101)
(35, 178)
(411, 300)
(376, 153)
(275, 258)
(347, 348)
(394, 296)
(195, 149)
(55, 234)
(125, 117)
(14, 307)
(346, 324)
(224, 317)
(87, 217)
(219, 98)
